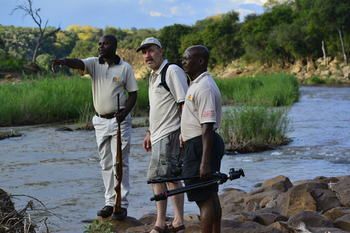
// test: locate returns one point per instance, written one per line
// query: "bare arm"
(69, 62)
(207, 139)
(130, 103)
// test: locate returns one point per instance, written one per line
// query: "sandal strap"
(159, 229)
(176, 229)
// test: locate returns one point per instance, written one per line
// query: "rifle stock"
(119, 168)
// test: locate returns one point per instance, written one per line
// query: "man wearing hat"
(162, 137)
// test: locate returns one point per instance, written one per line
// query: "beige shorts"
(165, 160)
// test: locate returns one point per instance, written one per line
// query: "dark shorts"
(192, 160)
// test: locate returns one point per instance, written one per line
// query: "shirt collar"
(201, 76)
(157, 72)
(116, 60)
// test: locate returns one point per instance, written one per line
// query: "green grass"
(315, 80)
(262, 90)
(44, 100)
(252, 129)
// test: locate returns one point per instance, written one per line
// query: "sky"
(125, 14)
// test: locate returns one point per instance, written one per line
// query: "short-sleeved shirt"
(107, 82)
(202, 105)
(164, 114)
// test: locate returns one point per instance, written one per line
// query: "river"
(61, 168)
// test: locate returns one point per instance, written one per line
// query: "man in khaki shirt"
(110, 76)
(162, 138)
(203, 147)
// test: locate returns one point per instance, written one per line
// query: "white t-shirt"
(202, 105)
(107, 82)
(164, 116)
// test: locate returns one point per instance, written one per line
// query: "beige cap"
(148, 42)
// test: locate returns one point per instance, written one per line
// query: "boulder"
(325, 199)
(337, 212)
(309, 219)
(342, 189)
(343, 222)
(281, 183)
(295, 200)
(123, 225)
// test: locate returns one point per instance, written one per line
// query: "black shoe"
(121, 215)
(105, 212)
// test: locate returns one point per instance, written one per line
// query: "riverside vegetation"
(255, 120)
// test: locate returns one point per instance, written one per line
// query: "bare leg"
(178, 203)
(161, 206)
(210, 211)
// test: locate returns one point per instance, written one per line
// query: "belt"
(107, 116)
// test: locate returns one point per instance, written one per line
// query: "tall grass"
(248, 129)
(255, 123)
(44, 99)
(262, 90)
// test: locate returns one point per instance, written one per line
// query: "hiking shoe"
(121, 215)
(105, 212)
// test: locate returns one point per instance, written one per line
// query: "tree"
(28, 9)
(170, 38)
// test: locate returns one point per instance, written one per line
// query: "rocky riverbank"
(278, 205)
(329, 70)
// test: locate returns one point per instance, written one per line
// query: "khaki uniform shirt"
(109, 81)
(164, 116)
(202, 105)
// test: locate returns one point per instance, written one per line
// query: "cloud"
(156, 14)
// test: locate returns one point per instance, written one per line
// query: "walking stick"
(218, 178)
(119, 169)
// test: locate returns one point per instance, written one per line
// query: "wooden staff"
(119, 168)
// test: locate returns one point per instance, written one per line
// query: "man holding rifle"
(203, 147)
(113, 85)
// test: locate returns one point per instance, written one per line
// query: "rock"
(326, 230)
(310, 219)
(342, 189)
(232, 201)
(280, 227)
(295, 200)
(343, 222)
(325, 199)
(122, 226)
(346, 72)
(269, 218)
(337, 212)
(9, 134)
(281, 183)
(259, 200)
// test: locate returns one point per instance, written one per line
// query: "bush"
(44, 61)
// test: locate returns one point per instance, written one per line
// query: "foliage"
(289, 30)
(170, 38)
(99, 227)
(84, 49)
(44, 61)
(219, 34)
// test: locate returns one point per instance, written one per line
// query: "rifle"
(217, 178)
(119, 169)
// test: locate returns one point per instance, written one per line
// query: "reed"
(261, 90)
(251, 129)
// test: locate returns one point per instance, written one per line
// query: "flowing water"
(61, 168)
